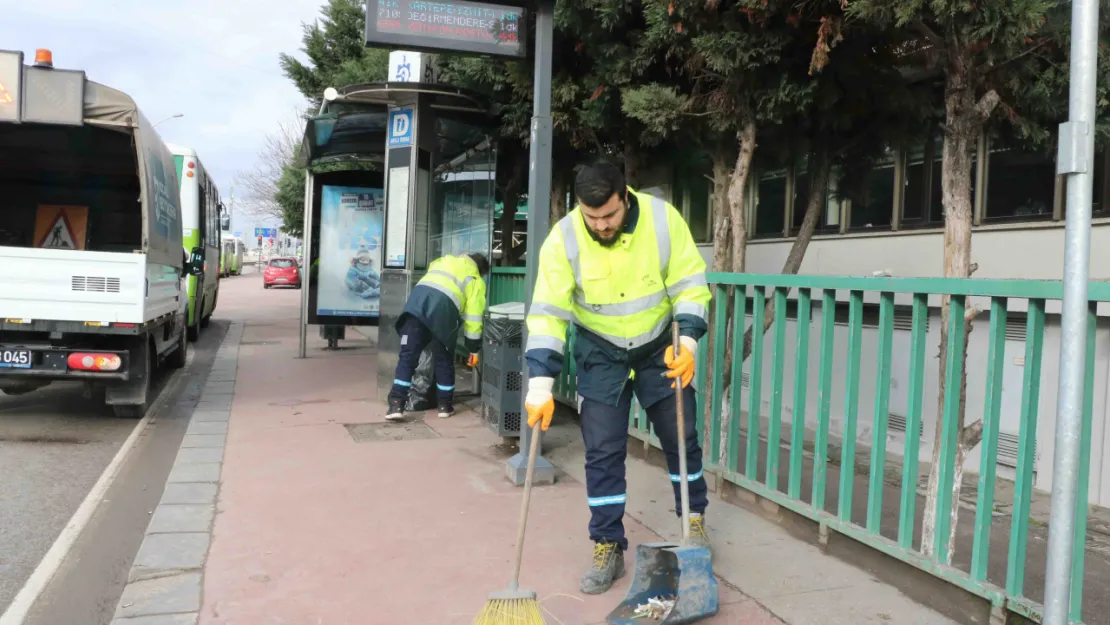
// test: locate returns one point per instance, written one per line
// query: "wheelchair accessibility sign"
(400, 128)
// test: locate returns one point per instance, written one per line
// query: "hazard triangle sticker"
(60, 235)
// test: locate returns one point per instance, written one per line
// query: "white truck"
(91, 259)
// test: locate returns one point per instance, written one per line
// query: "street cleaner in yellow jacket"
(621, 266)
(450, 297)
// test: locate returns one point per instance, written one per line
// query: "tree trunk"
(737, 186)
(558, 197)
(964, 119)
(511, 198)
(722, 242)
(729, 251)
(722, 261)
(816, 201)
(822, 163)
(631, 163)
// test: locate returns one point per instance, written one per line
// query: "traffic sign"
(61, 227)
(269, 233)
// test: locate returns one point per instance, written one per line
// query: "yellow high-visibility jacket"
(621, 298)
(451, 291)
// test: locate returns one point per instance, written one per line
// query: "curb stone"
(167, 576)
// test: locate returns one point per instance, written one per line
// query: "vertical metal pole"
(1076, 159)
(306, 268)
(539, 217)
(306, 285)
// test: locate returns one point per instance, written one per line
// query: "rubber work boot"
(446, 409)
(396, 410)
(698, 536)
(608, 567)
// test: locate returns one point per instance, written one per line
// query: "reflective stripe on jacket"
(625, 295)
(451, 291)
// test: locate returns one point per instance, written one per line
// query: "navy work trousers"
(605, 432)
(415, 336)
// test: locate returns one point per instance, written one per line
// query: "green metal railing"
(750, 293)
(506, 285)
(745, 439)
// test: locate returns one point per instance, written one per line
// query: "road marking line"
(21, 606)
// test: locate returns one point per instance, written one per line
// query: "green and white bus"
(200, 219)
(231, 257)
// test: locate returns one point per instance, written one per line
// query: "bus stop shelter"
(398, 174)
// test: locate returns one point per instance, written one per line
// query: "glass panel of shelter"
(462, 190)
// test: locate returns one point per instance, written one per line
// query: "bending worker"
(453, 289)
(621, 266)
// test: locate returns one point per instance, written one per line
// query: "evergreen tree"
(993, 60)
(336, 49)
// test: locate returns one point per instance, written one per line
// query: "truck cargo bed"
(68, 285)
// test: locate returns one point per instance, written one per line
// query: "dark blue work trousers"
(415, 336)
(605, 432)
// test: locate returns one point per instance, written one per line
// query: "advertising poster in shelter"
(349, 281)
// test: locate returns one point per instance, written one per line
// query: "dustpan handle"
(524, 504)
(683, 484)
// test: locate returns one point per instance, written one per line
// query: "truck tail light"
(94, 362)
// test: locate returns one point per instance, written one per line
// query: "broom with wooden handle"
(515, 605)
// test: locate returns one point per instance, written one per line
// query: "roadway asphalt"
(54, 446)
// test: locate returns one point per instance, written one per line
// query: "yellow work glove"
(472, 361)
(539, 402)
(681, 367)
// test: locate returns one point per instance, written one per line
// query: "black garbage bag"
(422, 393)
(504, 330)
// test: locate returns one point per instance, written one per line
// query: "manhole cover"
(385, 432)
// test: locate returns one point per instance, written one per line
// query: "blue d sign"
(400, 128)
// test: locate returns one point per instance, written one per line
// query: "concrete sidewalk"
(325, 513)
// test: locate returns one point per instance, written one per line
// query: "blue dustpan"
(678, 571)
(671, 571)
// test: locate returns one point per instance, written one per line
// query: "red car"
(282, 272)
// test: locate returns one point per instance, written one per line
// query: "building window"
(869, 186)
(1021, 183)
(692, 190)
(923, 198)
(873, 205)
(697, 210)
(799, 200)
(829, 220)
(918, 186)
(770, 205)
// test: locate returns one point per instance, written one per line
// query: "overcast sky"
(214, 61)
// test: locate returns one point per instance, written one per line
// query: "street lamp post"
(1076, 161)
(169, 118)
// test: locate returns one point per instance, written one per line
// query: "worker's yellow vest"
(625, 293)
(458, 278)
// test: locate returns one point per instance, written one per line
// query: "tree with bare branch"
(983, 57)
(259, 184)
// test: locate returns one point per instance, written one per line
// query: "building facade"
(894, 227)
